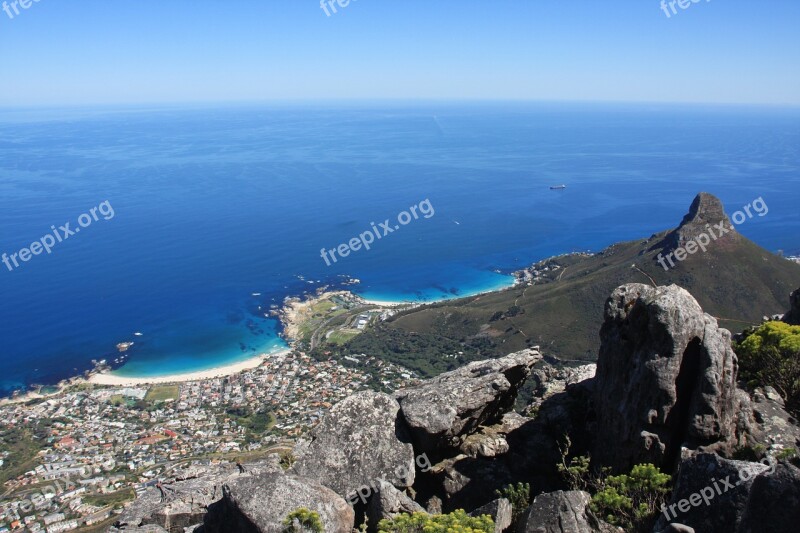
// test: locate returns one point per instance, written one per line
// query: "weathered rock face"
(666, 378)
(501, 512)
(490, 441)
(360, 441)
(260, 504)
(793, 316)
(444, 410)
(387, 503)
(763, 421)
(561, 512)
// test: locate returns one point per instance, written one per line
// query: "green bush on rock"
(770, 356)
(302, 520)
(455, 522)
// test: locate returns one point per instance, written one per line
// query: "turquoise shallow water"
(214, 205)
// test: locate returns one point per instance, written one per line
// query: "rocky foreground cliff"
(664, 392)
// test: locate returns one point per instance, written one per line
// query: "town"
(70, 462)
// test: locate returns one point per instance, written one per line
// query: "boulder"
(666, 379)
(260, 503)
(361, 440)
(793, 316)
(442, 411)
(501, 512)
(387, 503)
(561, 512)
(774, 503)
(723, 483)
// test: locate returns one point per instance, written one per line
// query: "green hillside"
(735, 280)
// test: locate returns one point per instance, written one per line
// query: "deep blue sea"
(221, 212)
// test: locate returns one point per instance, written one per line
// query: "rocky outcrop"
(387, 503)
(705, 212)
(793, 316)
(666, 378)
(444, 410)
(561, 512)
(260, 504)
(360, 441)
(501, 512)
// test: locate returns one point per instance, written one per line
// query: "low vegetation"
(21, 447)
(631, 501)
(162, 393)
(520, 497)
(455, 522)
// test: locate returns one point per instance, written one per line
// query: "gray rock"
(666, 379)
(360, 441)
(501, 512)
(490, 441)
(561, 512)
(774, 503)
(185, 498)
(793, 316)
(387, 503)
(726, 484)
(444, 410)
(260, 504)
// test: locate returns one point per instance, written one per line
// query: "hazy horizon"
(96, 54)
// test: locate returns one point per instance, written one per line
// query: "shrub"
(455, 522)
(632, 501)
(520, 497)
(770, 356)
(302, 520)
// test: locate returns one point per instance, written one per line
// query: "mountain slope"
(734, 279)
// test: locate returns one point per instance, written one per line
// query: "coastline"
(111, 379)
(289, 314)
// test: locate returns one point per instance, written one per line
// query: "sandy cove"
(222, 371)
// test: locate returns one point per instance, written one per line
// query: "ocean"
(220, 212)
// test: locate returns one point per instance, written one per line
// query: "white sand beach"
(109, 378)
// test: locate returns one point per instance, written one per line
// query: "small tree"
(302, 520)
(770, 355)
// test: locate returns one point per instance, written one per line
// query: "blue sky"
(92, 52)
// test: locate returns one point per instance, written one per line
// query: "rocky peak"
(705, 214)
(705, 209)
